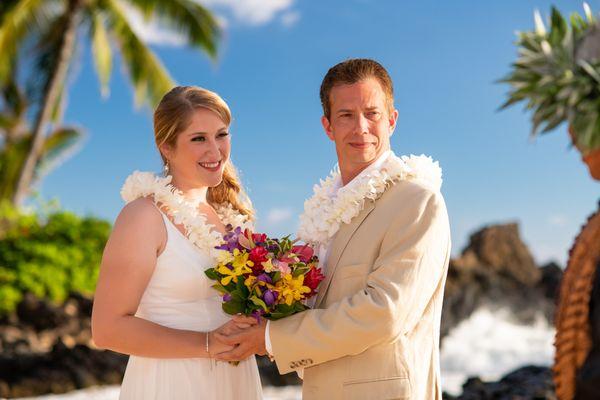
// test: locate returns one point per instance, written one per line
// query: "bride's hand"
(215, 346)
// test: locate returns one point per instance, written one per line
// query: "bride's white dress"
(179, 296)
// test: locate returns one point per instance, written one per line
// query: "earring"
(166, 168)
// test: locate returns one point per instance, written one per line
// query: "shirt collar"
(337, 185)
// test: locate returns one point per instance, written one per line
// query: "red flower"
(312, 279)
(259, 237)
(304, 252)
(258, 255)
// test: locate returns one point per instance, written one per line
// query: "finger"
(237, 354)
(242, 326)
(242, 319)
(230, 340)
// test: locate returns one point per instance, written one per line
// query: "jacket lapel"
(338, 245)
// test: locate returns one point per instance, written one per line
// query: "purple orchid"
(231, 240)
(265, 278)
(269, 297)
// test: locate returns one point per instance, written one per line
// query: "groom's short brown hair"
(352, 71)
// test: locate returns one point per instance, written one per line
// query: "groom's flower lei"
(326, 211)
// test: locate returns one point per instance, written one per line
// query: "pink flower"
(304, 252)
(281, 266)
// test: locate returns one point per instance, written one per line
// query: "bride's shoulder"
(141, 212)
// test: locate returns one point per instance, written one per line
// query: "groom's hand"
(246, 342)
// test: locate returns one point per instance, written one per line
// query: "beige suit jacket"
(374, 332)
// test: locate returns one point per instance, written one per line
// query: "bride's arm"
(128, 261)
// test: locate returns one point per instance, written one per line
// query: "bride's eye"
(198, 139)
(223, 134)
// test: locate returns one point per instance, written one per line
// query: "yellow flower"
(250, 280)
(241, 265)
(240, 259)
(292, 289)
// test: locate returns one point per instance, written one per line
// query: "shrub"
(49, 255)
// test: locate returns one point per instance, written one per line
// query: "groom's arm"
(409, 268)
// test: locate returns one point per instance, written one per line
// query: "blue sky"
(444, 58)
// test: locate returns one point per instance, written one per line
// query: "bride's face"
(201, 151)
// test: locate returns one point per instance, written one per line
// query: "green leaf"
(242, 288)
(212, 274)
(300, 271)
(188, 18)
(148, 75)
(276, 276)
(259, 303)
(220, 288)
(101, 51)
(16, 24)
(233, 307)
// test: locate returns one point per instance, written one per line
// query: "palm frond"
(101, 50)
(60, 145)
(44, 57)
(188, 18)
(16, 23)
(148, 76)
(557, 76)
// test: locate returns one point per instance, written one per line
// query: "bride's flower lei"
(182, 212)
(326, 211)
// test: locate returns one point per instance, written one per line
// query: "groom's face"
(360, 123)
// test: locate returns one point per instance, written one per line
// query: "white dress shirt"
(323, 251)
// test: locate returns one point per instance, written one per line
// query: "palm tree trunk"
(58, 75)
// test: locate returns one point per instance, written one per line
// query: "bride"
(153, 300)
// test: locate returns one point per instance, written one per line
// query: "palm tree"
(16, 137)
(57, 25)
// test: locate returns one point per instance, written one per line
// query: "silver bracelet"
(207, 335)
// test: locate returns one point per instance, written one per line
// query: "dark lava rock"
(40, 314)
(527, 383)
(61, 370)
(496, 270)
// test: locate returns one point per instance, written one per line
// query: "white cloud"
(278, 215)
(250, 12)
(289, 18)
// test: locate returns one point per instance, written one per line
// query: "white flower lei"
(326, 211)
(198, 230)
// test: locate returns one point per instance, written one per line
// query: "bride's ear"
(165, 151)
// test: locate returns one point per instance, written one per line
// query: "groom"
(384, 243)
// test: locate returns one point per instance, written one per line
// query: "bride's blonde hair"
(173, 115)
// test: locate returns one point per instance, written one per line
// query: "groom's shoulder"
(410, 192)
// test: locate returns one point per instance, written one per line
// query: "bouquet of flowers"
(264, 277)
(557, 75)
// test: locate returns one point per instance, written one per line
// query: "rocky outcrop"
(496, 270)
(529, 382)
(38, 325)
(60, 370)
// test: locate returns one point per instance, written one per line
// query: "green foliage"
(48, 255)
(556, 80)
